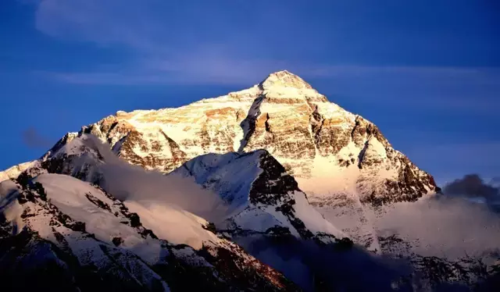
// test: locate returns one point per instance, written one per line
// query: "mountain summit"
(284, 79)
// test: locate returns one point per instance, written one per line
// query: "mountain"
(294, 177)
(328, 149)
(341, 160)
(264, 212)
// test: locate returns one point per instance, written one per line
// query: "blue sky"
(426, 72)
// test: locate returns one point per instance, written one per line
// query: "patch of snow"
(10, 208)
(172, 223)
(69, 195)
(312, 219)
(232, 181)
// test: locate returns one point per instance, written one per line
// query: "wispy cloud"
(200, 68)
(132, 23)
(464, 89)
(154, 30)
(33, 139)
(191, 69)
(485, 153)
(167, 49)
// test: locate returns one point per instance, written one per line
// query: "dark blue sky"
(426, 72)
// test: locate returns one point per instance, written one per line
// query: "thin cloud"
(132, 183)
(194, 69)
(129, 23)
(151, 29)
(163, 53)
(33, 139)
(197, 67)
(484, 154)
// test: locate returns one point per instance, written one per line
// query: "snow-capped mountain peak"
(284, 79)
(338, 158)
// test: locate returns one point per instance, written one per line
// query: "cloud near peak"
(33, 139)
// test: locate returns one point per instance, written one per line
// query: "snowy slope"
(51, 218)
(79, 229)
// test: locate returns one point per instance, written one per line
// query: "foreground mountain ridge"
(72, 236)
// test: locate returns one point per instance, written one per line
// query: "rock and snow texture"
(257, 192)
(339, 159)
(58, 227)
(70, 227)
(328, 149)
(261, 197)
(15, 171)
